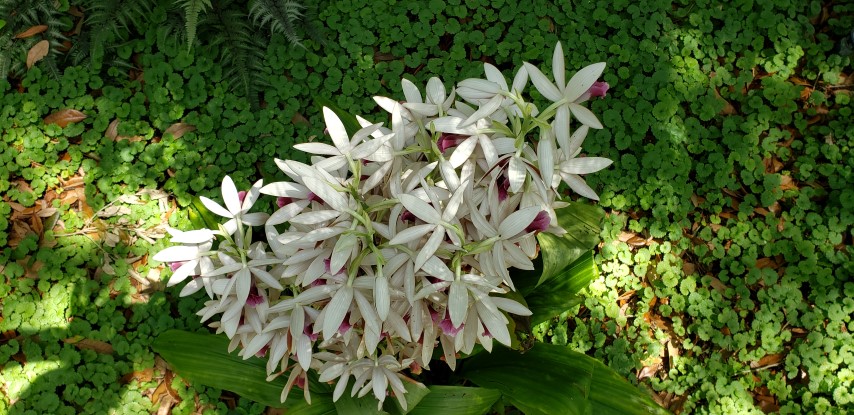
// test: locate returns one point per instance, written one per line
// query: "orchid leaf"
(351, 124)
(559, 295)
(204, 359)
(550, 379)
(456, 400)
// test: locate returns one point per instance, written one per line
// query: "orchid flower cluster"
(396, 239)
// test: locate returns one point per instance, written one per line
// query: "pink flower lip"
(598, 89)
(241, 195)
(175, 265)
(282, 201)
(448, 140)
(540, 222)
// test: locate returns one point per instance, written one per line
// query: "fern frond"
(227, 29)
(192, 8)
(281, 15)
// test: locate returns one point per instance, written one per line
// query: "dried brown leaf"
(31, 31)
(179, 129)
(90, 344)
(64, 117)
(46, 212)
(786, 183)
(37, 53)
(112, 130)
(768, 360)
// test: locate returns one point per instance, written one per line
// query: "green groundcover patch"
(726, 257)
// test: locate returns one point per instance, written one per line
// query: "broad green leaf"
(551, 379)
(559, 294)
(204, 359)
(366, 405)
(583, 224)
(2, 24)
(415, 392)
(456, 400)
(351, 124)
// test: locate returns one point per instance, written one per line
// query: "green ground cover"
(726, 259)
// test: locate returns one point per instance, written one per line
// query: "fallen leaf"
(37, 53)
(46, 212)
(114, 211)
(32, 32)
(179, 129)
(144, 375)
(64, 117)
(768, 360)
(112, 130)
(166, 404)
(718, 285)
(90, 344)
(786, 183)
(766, 263)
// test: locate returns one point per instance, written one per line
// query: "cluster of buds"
(397, 239)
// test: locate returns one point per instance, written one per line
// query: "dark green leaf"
(456, 400)
(559, 294)
(415, 392)
(204, 359)
(583, 224)
(551, 379)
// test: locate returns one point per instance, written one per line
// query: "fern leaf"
(192, 9)
(281, 15)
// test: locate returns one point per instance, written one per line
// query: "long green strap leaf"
(559, 294)
(550, 379)
(456, 400)
(204, 359)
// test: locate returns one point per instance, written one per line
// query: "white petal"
(429, 248)
(382, 297)
(420, 208)
(192, 237)
(182, 273)
(583, 80)
(576, 140)
(558, 68)
(341, 252)
(451, 125)
(516, 174)
(545, 159)
(511, 306)
(585, 116)
(411, 233)
(336, 310)
(494, 75)
(435, 91)
(484, 111)
(366, 149)
(520, 80)
(243, 281)
(254, 219)
(215, 208)
(229, 195)
(318, 148)
(252, 195)
(303, 351)
(546, 87)
(578, 185)
(561, 128)
(494, 322)
(410, 91)
(315, 217)
(435, 267)
(336, 130)
(489, 88)
(458, 303)
(285, 189)
(177, 254)
(518, 221)
(426, 110)
(585, 165)
(323, 190)
(287, 212)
